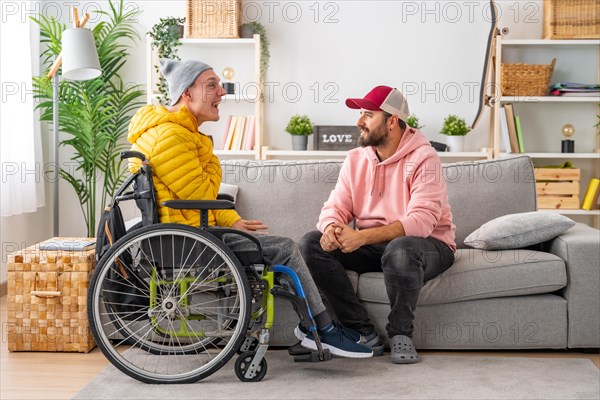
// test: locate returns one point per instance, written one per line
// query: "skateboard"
(488, 65)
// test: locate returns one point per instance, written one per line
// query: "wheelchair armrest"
(199, 204)
(225, 196)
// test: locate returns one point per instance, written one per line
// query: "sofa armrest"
(580, 248)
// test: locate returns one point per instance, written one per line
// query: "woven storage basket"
(526, 79)
(47, 300)
(214, 18)
(571, 19)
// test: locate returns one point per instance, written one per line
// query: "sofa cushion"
(515, 231)
(285, 195)
(478, 274)
(483, 190)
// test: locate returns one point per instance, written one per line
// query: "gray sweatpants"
(283, 251)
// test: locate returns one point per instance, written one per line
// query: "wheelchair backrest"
(139, 187)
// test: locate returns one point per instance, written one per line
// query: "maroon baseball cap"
(382, 98)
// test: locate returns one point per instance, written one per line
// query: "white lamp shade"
(79, 55)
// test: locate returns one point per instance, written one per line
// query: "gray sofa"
(548, 297)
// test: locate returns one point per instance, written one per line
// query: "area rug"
(436, 377)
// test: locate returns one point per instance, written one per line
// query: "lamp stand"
(55, 144)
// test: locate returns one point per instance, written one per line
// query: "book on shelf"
(225, 134)
(240, 133)
(577, 94)
(572, 89)
(250, 133)
(512, 129)
(238, 137)
(519, 134)
(504, 131)
(230, 132)
(67, 244)
(590, 200)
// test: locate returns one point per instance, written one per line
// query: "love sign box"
(336, 137)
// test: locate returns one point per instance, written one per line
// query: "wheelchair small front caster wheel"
(243, 365)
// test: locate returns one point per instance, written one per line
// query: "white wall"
(433, 50)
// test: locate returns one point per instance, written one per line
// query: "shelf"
(571, 212)
(553, 155)
(462, 154)
(304, 154)
(249, 153)
(546, 42)
(228, 98)
(548, 99)
(218, 42)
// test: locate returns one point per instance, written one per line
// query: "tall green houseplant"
(95, 114)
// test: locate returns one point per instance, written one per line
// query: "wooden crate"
(213, 18)
(557, 187)
(336, 137)
(571, 19)
(47, 299)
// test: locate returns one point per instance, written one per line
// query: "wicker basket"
(213, 18)
(47, 300)
(571, 19)
(526, 79)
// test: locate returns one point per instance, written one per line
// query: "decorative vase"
(299, 142)
(456, 143)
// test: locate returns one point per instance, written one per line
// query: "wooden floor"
(37, 375)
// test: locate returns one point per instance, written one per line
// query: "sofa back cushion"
(288, 195)
(285, 195)
(483, 190)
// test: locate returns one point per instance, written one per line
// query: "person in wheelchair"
(184, 167)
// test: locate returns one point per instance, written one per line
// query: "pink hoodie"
(408, 187)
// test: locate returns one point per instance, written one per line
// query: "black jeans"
(406, 262)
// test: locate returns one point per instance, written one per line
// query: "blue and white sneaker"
(300, 332)
(371, 340)
(339, 343)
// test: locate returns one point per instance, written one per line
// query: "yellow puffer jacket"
(182, 160)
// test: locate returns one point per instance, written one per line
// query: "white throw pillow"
(231, 190)
(515, 231)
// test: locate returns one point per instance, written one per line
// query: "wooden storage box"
(47, 299)
(213, 18)
(571, 19)
(557, 187)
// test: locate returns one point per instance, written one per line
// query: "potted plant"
(413, 122)
(455, 128)
(246, 31)
(166, 35)
(94, 114)
(300, 127)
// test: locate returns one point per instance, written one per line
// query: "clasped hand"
(341, 237)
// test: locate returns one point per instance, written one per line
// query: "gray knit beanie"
(180, 75)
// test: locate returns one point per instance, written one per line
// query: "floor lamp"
(79, 58)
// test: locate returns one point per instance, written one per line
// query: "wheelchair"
(171, 303)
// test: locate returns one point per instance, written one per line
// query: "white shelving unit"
(544, 106)
(324, 154)
(251, 101)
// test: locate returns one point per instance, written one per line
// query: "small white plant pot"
(456, 143)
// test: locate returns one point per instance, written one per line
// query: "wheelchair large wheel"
(169, 304)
